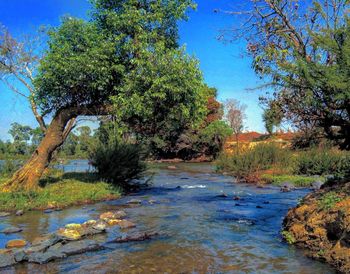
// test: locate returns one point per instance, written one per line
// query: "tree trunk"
(27, 178)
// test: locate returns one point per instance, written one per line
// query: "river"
(201, 231)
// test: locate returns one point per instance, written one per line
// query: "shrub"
(8, 167)
(288, 237)
(118, 163)
(323, 162)
(259, 158)
(296, 180)
(329, 200)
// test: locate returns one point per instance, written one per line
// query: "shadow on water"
(205, 232)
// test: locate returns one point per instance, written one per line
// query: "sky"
(222, 63)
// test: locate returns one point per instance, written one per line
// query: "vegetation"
(60, 192)
(288, 237)
(303, 53)
(328, 200)
(296, 180)
(235, 115)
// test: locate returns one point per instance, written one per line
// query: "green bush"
(259, 158)
(323, 162)
(8, 167)
(296, 180)
(118, 163)
(328, 200)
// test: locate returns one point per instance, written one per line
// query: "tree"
(21, 136)
(123, 62)
(302, 50)
(272, 117)
(235, 115)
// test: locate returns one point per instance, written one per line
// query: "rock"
(4, 214)
(11, 230)
(107, 215)
(16, 243)
(78, 247)
(236, 198)
(73, 226)
(258, 206)
(101, 226)
(45, 257)
(137, 237)
(266, 202)
(20, 256)
(120, 214)
(19, 212)
(48, 211)
(317, 185)
(42, 243)
(125, 224)
(7, 259)
(90, 223)
(69, 234)
(237, 204)
(222, 195)
(152, 202)
(112, 222)
(172, 167)
(134, 201)
(287, 187)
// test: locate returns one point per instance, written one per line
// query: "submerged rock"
(137, 237)
(134, 201)
(125, 224)
(287, 187)
(321, 224)
(19, 212)
(7, 259)
(45, 257)
(11, 230)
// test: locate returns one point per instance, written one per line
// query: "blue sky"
(222, 64)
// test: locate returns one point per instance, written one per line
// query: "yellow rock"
(73, 226)
(16, 244)
(70, 234)
(90, 222)
(112, 222)
(107, 215)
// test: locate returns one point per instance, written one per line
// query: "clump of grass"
(288, 237)
(296, 180)
(259, 158)
(63, 193)
(328, 200)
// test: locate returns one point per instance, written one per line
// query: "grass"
(60, 192)
(288, 237)
(328, 200)
(296, 180)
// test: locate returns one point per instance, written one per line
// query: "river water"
(201, 232)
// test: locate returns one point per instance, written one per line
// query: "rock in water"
(11, 230)
(134, 201)
(137, 237)
(16, 243)
(125, 224)
(45, 257)
(78, 247)
(4, 214)
(7, 259)
(172, 167)
(19, 212)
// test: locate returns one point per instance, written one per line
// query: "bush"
(324, 162)
(8, 167)
(296, 180)
(118, 163)
(259, 158)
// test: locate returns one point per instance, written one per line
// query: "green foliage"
(328, 200)
(118, 163)
(288, 237)
(260, 157)
(272, 117)
(9, 166)
(323, 162)
(296, 180)
(65, 192)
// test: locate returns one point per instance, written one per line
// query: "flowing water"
(201, 230)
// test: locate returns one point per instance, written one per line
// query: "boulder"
(137, 237)
(45, 257)
(73, 226)
(69, 234)
(287, 187)
(172, 167)
(4, 214)
(101, 226)
(11, 230)
(18, 243)
(78, 247)
(134, 201)
(19, 212)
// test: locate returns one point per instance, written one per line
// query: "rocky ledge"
(321, 225)
(71, 240)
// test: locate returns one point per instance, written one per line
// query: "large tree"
(302, 49)
(125, 60)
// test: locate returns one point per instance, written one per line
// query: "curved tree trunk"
(27, 178)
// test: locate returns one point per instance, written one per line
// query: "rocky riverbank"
(321, 225)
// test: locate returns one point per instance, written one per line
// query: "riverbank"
(321, 225)
(59, 192)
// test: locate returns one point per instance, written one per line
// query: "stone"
(90, 231)
(19, 212)
(90, 222)
(113, 222)
(11, 230)
(42, 243)
(4, 214)
(317, 185)
(172, 167)
(134, 201)
(107, 215)
(152, 202)
(266, 202)
(18, 243)
(125, 224)
(137, 237)
(45, 257)
(68, 234)
(7, 259)
(73, 226)
(287, 187)
(20, 256)
(222, 195)
(120, 214)
(258, 206)
(236, 198)
(79, 247)
(101, 226)
(48, 211)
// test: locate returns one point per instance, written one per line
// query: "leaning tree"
(125, 60)
(302, 49)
